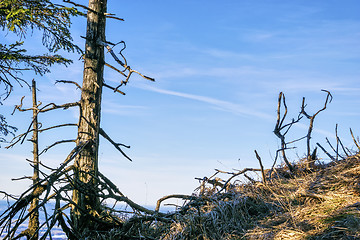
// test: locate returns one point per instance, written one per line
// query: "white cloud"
(220, 104)
(119, 109)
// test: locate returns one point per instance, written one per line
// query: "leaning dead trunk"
(86, 164)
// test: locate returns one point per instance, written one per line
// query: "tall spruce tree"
(21, 18)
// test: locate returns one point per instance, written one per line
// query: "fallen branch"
(235, 175)
(181, 196)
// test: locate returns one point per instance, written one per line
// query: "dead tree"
(86, 163)
(32, 231)
(280, 126)
(77, 182)
(309, 160)
(34, 217)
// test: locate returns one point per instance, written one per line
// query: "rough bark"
(86, 164)
(34, 217)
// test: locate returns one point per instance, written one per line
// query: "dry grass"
(322, 204)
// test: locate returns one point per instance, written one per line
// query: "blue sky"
(219, 68)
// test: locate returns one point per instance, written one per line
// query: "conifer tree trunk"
(34, 217)
(86, 163)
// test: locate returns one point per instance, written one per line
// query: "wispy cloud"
(119, 109)
(219, 104)
(234, 108)
(264, 78)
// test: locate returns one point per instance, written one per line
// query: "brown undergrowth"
(320, 204)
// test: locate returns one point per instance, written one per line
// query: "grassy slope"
(322, 204)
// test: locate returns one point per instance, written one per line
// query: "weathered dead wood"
(43, 186)
(112, 88)
(34, 217)
(336, 151)
(86, 164)
(67, 81)
(46, 108)
(326, 152)
(317, 197)
(121, 197)
(235, 175)
(280, 126)
(337, 144)
(58, 126)
(122, 64)
(116, 145)
(53, 106)
(56, 143)
(355, 141)
(249, 178)
(179, 196)
(310, 162)
(261, 167)
(346, 151)
(107, 15)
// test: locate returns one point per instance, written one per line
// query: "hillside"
(321, 204)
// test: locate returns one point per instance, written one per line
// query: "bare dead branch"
(107, 15)
(235, 175)
(43, 186)
(80, 5)
(123, 64)
(296, 140)
(21, 178)
(249, 178)
(181, 196)
(112, 88)
(116, 145)
(311, 124)
(56, 143)
(313, 196)
(326, 152)
(113, 17)
(122, 198)
(279, 127)
(343, 148)
(15, 140)
(9, 195)
(66, 81)
(53, 106)
(115, 69)
(46, 108)
(19, 107)
(336, 151)
(261, 167)
(59, 126)
(21, 137)
(356, 142)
